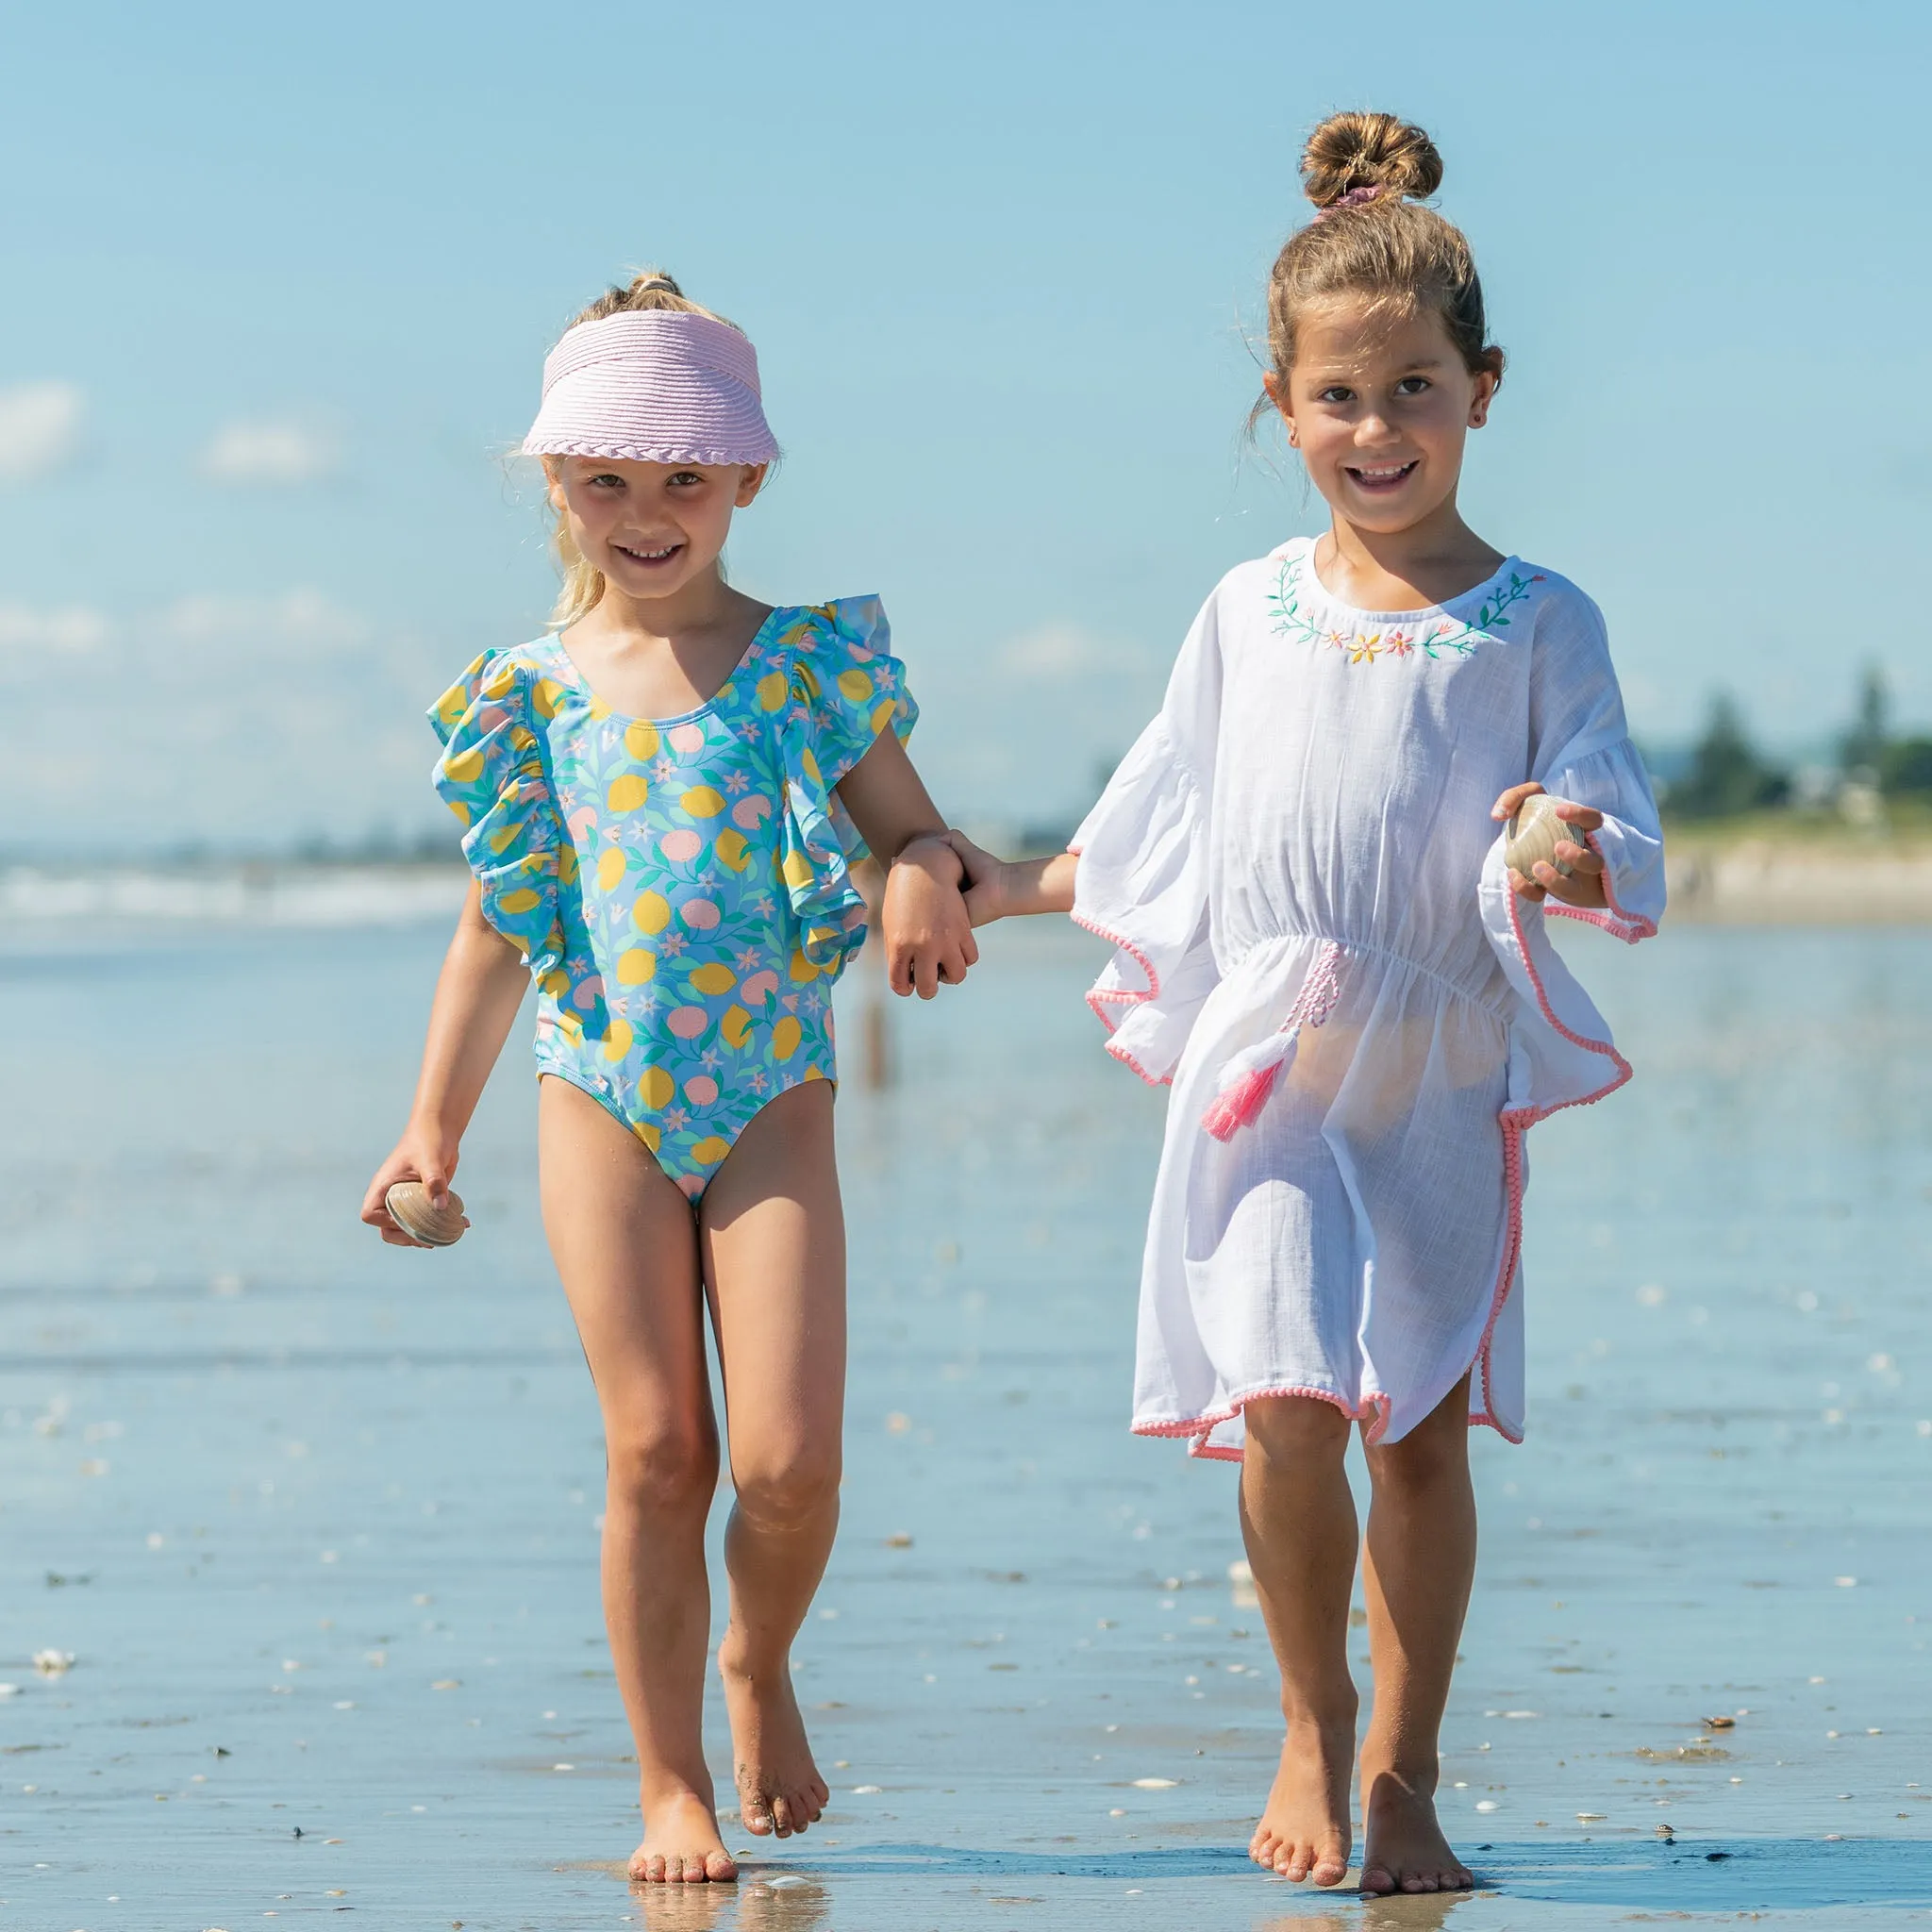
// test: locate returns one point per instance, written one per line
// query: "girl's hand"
(986, 880)
(1584, 886)
(928, 935)
(1000, 888)
(422, 1154)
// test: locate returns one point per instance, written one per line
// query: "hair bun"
(1363, 150)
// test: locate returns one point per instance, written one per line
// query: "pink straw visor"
(652, 386)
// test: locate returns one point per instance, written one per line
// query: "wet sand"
(317, 1520)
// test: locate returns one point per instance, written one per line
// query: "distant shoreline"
(1719, 874)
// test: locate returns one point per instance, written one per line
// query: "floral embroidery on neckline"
(1435, 637)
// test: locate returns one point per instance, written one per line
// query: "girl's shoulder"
(504, 679)
(841, 624)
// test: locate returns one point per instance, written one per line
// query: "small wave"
(257, 895)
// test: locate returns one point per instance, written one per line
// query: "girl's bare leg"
(1419, 1562)
(626, 1245)
(773, 1243)
(1299, 1523)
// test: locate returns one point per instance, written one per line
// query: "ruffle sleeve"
(1580, 750)
(1141, 882)
(491, 775)
(835, 689)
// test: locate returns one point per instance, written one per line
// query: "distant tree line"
(1726, 775)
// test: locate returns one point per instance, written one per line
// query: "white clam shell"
(1533, 835)
(411, 1210)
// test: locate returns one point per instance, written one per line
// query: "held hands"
(928, 934)
(1585, 884)
(422, 1154)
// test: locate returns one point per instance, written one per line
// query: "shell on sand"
(411, 1210)
(1534, 835)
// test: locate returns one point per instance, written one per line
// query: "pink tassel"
(1239, 1104)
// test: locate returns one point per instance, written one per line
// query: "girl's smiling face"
(651, 528)
(1379, 406)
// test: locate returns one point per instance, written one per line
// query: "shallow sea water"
(317, 1519)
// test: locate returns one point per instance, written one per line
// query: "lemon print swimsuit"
(679, 886)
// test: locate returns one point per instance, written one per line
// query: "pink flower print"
(701, 915)
(682, 846)
(763, 907)
(759, 988)
(1399, 643)
(674, 1118)
(701, 1091)
(586, 992)
(687, 740)
(735, 782)
(748, 814)
(688, 1022)
(747, 958)
(790, 1003)
(663, 771)
(883, 677)
(756, 1081)
(671, 943)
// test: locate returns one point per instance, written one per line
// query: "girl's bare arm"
(928, 936)
(1004, 887)
(478, 994)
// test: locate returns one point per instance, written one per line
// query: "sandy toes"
(681, 1844)
(779, 1788)
(1305, 1831)
(1403, 1846)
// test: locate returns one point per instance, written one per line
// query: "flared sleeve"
(1581, 750)
(1141, 882)
(492, 776)
(835, 689)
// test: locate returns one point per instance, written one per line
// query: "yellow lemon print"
(652, 912)
(617, 1043)
(811, 767)
(701, 802)
(461, 810)
(649, 1133)
(735, 1027)
(641, 741)
(567, 864)
(802, 969)
(713, 978)
(855, 685)
(883, 714)
(797, 869)
(785, 1037)
(770, 689)
(548, 695)
(500, 683)
(556, 983)
(813, 1073)
(730, 848)
(710, 1150)
(610, 869)
(599, 709)
(465, 768)
(571, 1027)
(501, 837)
(521, 900)
(636, 966)
(628, 792)
(657, 1088)
(804, 682)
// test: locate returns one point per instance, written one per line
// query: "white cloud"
(277, 452)
(40, 429)
(74, 628)
(300, 618)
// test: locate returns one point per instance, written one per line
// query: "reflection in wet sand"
(760, 1902)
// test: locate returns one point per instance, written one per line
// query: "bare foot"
(779, 1788)
(681, 1843)
(1403, 1846)
(1305, 1831)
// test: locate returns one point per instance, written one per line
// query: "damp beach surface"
(302, 1531)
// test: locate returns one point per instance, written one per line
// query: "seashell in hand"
(411, 1210)
(1534, 834)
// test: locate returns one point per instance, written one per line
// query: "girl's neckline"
(1421, 611)
(611, 710)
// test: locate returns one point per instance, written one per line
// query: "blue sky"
(279, 285)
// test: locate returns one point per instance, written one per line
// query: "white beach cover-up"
(1318, 949)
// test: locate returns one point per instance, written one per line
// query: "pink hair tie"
(1355, 197)
(652, 386)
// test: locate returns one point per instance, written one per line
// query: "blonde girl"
(1321, 948)
(653, 797)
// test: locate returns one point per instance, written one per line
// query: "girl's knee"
(663, 1470)
(780, 1492)
(1426, 1459)
(1296, 1426)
